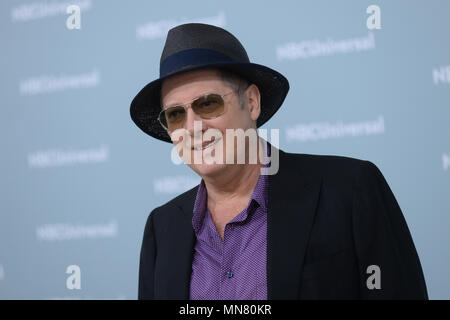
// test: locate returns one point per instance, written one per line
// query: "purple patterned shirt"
(233, 268)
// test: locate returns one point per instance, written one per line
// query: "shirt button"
(230, 274)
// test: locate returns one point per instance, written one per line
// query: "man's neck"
(230, 196)
(238, 184)
(229, 192)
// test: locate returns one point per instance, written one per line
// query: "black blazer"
(329, 219)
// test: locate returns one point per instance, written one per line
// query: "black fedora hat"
(195, 46)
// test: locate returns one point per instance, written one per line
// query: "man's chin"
(208, 169)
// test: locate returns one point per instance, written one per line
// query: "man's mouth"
(206, 145)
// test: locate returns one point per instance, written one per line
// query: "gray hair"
(235, 82)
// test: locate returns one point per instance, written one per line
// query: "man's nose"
(190, 118)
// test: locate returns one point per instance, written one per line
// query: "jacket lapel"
(293, 195)
(182, 248)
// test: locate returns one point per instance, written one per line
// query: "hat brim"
(272, 85)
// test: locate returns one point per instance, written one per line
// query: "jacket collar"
(292, 200)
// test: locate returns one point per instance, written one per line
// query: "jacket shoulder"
(329, 165)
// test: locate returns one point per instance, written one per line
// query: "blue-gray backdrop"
(78, 178)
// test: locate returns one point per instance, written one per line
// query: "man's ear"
(253, 99)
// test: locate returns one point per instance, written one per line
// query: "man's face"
(184, 88)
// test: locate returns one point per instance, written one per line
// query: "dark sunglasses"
(208, 106)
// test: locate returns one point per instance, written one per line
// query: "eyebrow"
(172, 105)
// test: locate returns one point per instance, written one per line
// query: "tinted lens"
(209, 106)
(173, 118)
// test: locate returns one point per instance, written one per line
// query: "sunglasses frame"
(188, 105)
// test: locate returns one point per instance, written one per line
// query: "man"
(316, 227)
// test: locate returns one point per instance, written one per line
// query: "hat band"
(191, 58)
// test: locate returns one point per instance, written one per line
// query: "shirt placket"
(227, 273)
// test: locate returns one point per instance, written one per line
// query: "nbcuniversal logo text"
(324, 130)
(174, 184)
(445, 161)
(58, 158)
(159, 29)
(441, 75)
(317, 48)
(50, 83)
(64, 231)
(45, 9)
